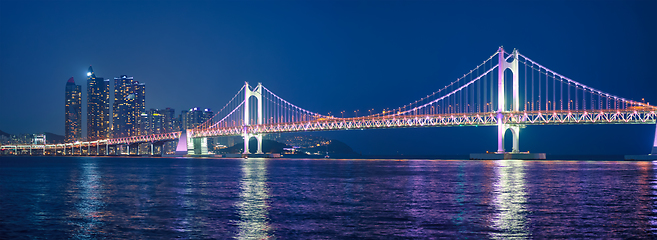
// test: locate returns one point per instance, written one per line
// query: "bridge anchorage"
(508, 90)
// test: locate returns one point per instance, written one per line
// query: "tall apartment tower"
(129, 104)
(194, 118)
(73, 112)
(140, 104)
(98, 91)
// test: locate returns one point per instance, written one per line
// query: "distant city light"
(88, 74)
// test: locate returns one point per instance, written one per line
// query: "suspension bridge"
(507, 90)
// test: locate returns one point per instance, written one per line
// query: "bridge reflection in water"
(510, 200)
(252, 207)
(163, 198)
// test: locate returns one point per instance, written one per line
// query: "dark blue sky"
(328, 56)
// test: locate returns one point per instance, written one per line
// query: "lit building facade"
(155, 121)
(151, 122)
(129, 104)
(98, 111)
(169, 120)
(194, 117)
(73, 111)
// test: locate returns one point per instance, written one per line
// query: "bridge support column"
(198, 146)
(183, 143)
(501, 130)
(247, 138)
(259, 138)
(204, 146)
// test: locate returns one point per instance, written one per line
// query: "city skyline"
(402, 50)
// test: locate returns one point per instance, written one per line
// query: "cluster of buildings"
(127, 116)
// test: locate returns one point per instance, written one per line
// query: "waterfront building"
(98, 111)
(129, 104)
(72, 111)
(157, 121)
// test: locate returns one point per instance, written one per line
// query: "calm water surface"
(163, 198)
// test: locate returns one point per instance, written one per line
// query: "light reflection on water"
(88, 217)
(165, 198)
(510, 218)
(252, 206)
(653, 186)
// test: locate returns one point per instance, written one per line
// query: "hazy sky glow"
(328, 56)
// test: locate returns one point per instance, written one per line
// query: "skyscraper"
(140, 103)
(194, 118)
(156, 121)
(98, 91)
(168, 118)
(129, 104)
(73, 111)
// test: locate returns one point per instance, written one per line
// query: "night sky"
(328, 56)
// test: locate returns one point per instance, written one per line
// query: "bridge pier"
(247, 138)
(198, 146)
(501, 131)
(191, 146)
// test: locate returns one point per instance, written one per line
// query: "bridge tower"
(248, 93)
(501, 100)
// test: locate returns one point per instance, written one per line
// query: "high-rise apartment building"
(73, 111)
(156, 121)
(98, 111)
(151, 122)
(129, 104)
(169, 120)
(194, 118)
